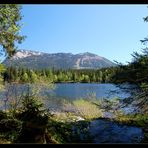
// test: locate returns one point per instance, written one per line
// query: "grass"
(80, 108)
(86, 109)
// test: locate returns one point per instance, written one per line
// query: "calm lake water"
(85, 90)
(104, 131)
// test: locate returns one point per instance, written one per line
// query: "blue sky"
(111, 31)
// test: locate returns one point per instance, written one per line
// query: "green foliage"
(59, 131)
(2, 70)
(69, 132)
(21, 75)
(3, 115)
(34, 119)
(9, 129)
(25, 77)
(33, 77)
(7, 125)
(10, 25)
(140, 120)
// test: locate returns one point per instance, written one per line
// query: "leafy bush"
(7, 125)
(73, 132)
(3, 115)
(9, 129)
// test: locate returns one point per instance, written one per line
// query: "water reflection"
(83, 90)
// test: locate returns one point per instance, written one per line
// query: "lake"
(85, 90)
(101, 130)
(105, 131)
(73, 91)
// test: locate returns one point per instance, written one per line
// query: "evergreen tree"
(10, 16)
(33, 77)
(25, 77)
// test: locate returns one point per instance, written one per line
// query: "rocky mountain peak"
(40, 60)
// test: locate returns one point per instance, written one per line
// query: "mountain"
(40, 60)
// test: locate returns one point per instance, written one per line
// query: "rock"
(79, 118)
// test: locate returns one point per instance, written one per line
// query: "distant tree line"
(23, 75)
(135, 72)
